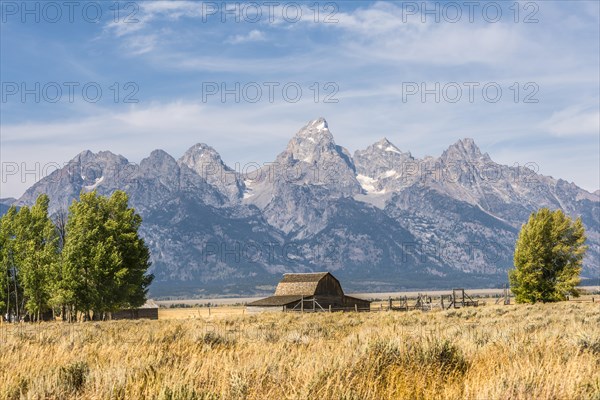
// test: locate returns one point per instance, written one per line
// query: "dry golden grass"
(547, 351)
(200, 312)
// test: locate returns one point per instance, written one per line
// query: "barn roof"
(300, 284)
(308, 277)
(150, 304)
(357, 298)
(276, 301)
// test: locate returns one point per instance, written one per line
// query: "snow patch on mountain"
(367, 183)
(390, 173)
(96, 183)
(248, 189)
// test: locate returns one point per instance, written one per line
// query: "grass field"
(549, 351)
(201, 312)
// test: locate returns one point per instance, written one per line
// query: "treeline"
(86, 262)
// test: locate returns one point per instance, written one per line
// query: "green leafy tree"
(83, 252)
(548, 257)
(7, 266)
(59, 298)
(132, 280)
(104, 259)
(36, 245)
(28, 254)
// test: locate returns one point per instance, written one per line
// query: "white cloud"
(248, 135)
(253, 36)
(258, 132)
(140, 44)
(134, 17)
(382, 33)
(172, 9)
(369, 53)
(573, 121)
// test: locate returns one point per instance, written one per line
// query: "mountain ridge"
(381, 218)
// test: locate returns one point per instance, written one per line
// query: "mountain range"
(380, 219)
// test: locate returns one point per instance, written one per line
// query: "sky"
(520, 78)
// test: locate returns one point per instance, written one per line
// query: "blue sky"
(365, 55)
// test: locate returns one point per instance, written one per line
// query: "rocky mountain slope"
(380, 219)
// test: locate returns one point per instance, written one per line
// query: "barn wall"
(329, 286)
(148, 313)
(342, 302)
(136, 313)
(361, 304)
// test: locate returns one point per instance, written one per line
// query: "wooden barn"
(147, 311)
(319, 291)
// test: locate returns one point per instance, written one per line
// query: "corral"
(423, 302)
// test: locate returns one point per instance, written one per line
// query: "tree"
(59, 295)
(548, 257)
(60, 218)
(28, 254)
(6, 258)
(123, 226)
(104, 259)
(36, 246)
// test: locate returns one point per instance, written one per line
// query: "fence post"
(356, 307)
(330, 308)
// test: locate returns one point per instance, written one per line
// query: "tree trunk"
(8, 302)
(16, 294)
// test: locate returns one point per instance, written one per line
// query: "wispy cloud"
(368, 50)
(136, 16)
(140, 44)
(574, 121)
(253, 36)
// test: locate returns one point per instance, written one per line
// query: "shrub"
(74, 376)
(19, 390)
(447, 357)
(214, 339)
(589, 342)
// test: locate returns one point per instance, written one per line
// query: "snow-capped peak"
(203, 149)
(319, 124)
(464, 149)
(384, 145)
(201, 155)
(384, 142)
(311, 141)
